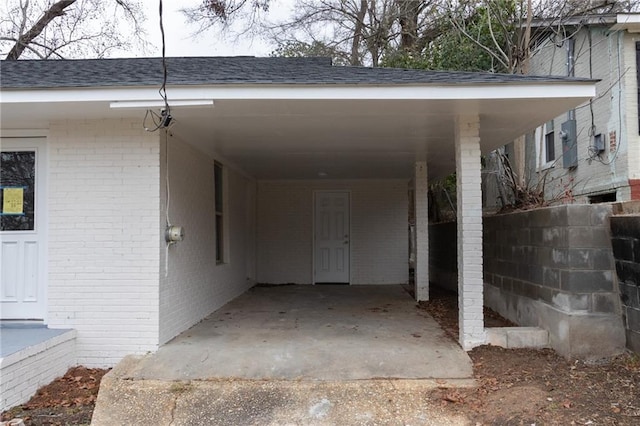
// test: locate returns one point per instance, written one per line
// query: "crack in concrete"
(173, 409)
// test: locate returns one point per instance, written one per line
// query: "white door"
(331, 242)
(22, 233)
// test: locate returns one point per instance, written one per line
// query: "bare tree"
(47, 29)
(515, 28)
(359, 32)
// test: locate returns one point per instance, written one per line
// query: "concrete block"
(602, 258)
(559, 257)
(583, 336)
(523, 236)
(557, 216)
(517, 337)
(536, 274)
(623, 248)
(496, 336)
(626, 226)
(555, 236)
(586, 281)
(600, 214)
(633, 340)
(585, 236)
(536, 236)
(527, 337)
(633, 319)
(580, 258)
(605, 303)
(551, 277)
(579, 215)
(628, 272)
(568, 302)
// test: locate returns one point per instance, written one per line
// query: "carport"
(261, 122)
(312, 121)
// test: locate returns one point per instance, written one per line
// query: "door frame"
(313, 230)
(37, 141)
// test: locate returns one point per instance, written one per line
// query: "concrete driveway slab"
(315, 355)
(312, 332)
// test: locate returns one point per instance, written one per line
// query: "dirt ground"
(538, 387)
(68, 400)
(516, 387)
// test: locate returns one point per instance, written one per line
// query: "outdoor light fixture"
(160, 103)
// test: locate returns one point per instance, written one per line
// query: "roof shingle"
(41, 74)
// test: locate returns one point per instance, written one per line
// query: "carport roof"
(39, 74)
(292, 118)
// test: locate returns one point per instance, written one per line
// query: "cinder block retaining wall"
(552, 268)
(625, 239)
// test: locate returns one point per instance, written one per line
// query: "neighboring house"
(279, 171)
(592, 153)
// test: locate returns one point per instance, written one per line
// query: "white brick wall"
(24, 372)
(194, 285)
(103, 263)
(379, 234)
(422, 231)
(469, 223)
(610, 59)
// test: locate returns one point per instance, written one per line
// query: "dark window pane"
(217, 180)
(550, 146)
(18, 171)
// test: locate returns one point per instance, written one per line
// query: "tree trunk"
(408, 18)
(357, 34)
(56, 9)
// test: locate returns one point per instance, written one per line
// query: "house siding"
(379, 230)
(631, 103)
(192, 284)
(103, 264)
(610, 58)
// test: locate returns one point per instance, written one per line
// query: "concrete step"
(518, 337)
(123, 400)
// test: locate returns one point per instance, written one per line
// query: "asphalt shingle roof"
(40, 74)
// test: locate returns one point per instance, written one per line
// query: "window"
(17, 190)
(549, 142)
(545, 137)
(218, 181)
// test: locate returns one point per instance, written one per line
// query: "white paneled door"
(331, 237)
(22, 233)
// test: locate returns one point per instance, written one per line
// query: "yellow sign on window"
(12, 200)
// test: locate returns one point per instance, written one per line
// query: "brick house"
(260, 154)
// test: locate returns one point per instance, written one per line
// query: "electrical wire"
(162, 120)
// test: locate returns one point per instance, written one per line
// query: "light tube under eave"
(160, 103)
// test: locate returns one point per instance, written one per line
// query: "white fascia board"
(627, 21)
(315, 92)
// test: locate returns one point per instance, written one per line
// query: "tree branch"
(56, 9)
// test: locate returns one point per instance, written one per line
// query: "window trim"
(540, 136)
(220, 213)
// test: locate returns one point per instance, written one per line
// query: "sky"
(178, 33)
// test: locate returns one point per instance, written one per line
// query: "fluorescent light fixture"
(160, 103)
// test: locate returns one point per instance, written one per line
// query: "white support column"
(469, 193)
(422, 232)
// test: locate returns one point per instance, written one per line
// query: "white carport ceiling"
(344, 138)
